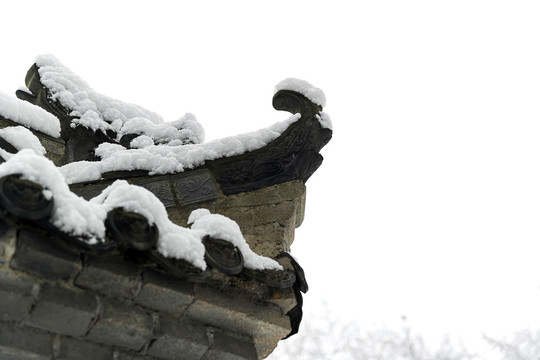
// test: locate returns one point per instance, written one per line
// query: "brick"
(221, 310)
(37, 255)
(75, 349)
(125, 355)
(284, 298)
(16, 297)
(164, 293)
(274, 194)
(269, 239)
(110, 276)
(248, 216)
(21, 343)
(63, 311)
(8, 240)
(175, 338)
(231, 347)
(122, 325)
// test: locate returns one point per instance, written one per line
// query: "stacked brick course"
(58, 304)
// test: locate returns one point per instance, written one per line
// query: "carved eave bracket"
(293, 155)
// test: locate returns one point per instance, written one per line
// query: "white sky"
(428, 202)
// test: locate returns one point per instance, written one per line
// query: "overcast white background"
(428, 202)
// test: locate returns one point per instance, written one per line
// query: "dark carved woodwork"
(293, 155)
(299, 286)
(194, 186)
(123, 174)
(190, 187)
(300, 276)
(159, 186)
(223, 255)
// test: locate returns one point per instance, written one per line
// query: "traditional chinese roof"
(187, 254)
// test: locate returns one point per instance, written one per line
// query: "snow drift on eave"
(20, 138)
(159, 148)
(99, 112)
(164, 159)
(78, 217)
(29, 115)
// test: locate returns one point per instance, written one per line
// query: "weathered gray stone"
(231, 347)
(76, 349)
(164, 293)
(63, 311)
(218, 309)
(125, 355)
(179, 340)
(248, 216)
(16, 296)
(122, 325)
(37, 256)
(300, 204)
(275, 194)
(283, 298)
(268, 229)
(269, 239)
(110, 276)
(238, 286)
(56, 148)
(21, 343)
(8, 243)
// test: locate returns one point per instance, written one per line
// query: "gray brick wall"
(56, 303)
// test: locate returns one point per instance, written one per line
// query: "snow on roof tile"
(99, 112)
(86, 219)
(29, 115)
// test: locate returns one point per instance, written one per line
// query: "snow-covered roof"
(159, 159)
(98, 112)
(96, 140)
(134, 138)
(77, 217)
(142, 141)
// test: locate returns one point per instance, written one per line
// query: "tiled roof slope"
(124, 277)
(119, 295)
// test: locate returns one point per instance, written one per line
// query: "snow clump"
(324, 120)
(313, 93)
(99, 112)
(29, 115)
(221, 227)
(174, 241)
(22, 138)
(75, 94)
